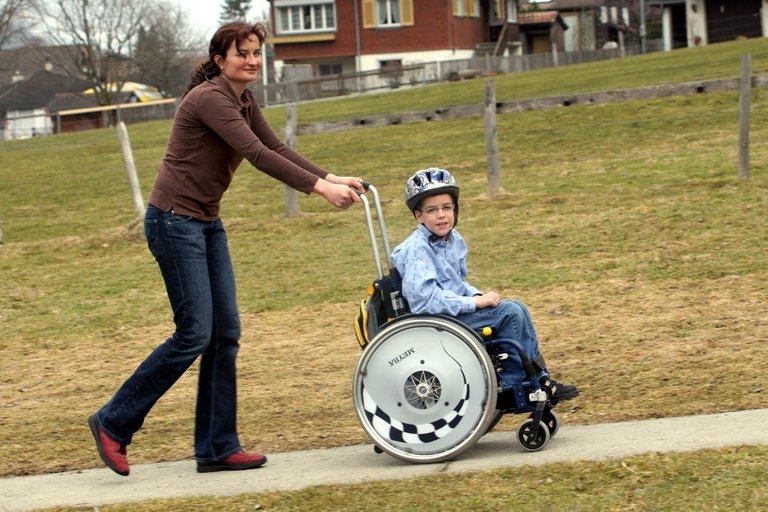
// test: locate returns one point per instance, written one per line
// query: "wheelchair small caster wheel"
(377, 449)
(551, 420)
(532, 441)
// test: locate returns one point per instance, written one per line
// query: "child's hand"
(487, 300)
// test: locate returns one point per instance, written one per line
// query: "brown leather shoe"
(111, 452)
(236, 461)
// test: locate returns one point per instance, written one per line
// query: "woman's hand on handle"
(338, 194)
(356, 183)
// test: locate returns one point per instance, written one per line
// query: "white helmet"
(430, 182)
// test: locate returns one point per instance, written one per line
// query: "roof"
(37, 91)
(540, 18)
(562, 5)
(27, 61)
(70, 101)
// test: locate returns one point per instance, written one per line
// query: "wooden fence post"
(130, 169)
(291, 199)
(745, 99)
(491, 139)
(555, 55)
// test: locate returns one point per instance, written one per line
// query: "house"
(542, 31)
(699, 22)
(24, 102)
(20, 63)
(589, 24)
(335, 37)
(38, 83)
(30, 78)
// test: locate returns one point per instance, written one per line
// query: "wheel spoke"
(422, 389)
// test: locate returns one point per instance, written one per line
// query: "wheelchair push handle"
(366, 185)
(371, 231)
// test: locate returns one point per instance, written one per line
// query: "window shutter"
(406, 12)
(369, 14)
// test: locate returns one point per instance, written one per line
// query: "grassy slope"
(706, 63)
(623, 227)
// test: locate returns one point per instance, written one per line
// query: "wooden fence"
(588, 98)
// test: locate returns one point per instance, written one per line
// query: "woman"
(217, 124)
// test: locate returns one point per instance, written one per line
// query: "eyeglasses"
(432, 210)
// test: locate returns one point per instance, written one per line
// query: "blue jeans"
(513, 326)
(194, 259)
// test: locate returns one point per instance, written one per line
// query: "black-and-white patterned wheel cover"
(423, 388)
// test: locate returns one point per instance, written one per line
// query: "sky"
(204, 14)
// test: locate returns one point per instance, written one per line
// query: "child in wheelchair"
(432, 266)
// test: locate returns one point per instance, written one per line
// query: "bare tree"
(105, 30)
(16, 21)
(167, 49)
(232, 10)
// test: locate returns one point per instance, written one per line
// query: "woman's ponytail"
(203, 72)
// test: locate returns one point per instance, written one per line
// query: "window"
(467, 8)
(387, 13)
(501, 11)
(330, 69)
(305, 16)
(391, 65)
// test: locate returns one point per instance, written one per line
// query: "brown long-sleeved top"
(213, 130)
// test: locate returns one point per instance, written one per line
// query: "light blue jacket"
(434, 273)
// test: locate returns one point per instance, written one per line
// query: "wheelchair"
(427, 387)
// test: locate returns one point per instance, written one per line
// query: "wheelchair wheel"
(425, 389)
(532, 441)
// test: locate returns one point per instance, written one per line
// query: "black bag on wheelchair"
(384, 302)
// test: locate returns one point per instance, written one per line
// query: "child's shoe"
(557, 391)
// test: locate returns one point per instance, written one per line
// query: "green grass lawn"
(687, 65)
(623, 227)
